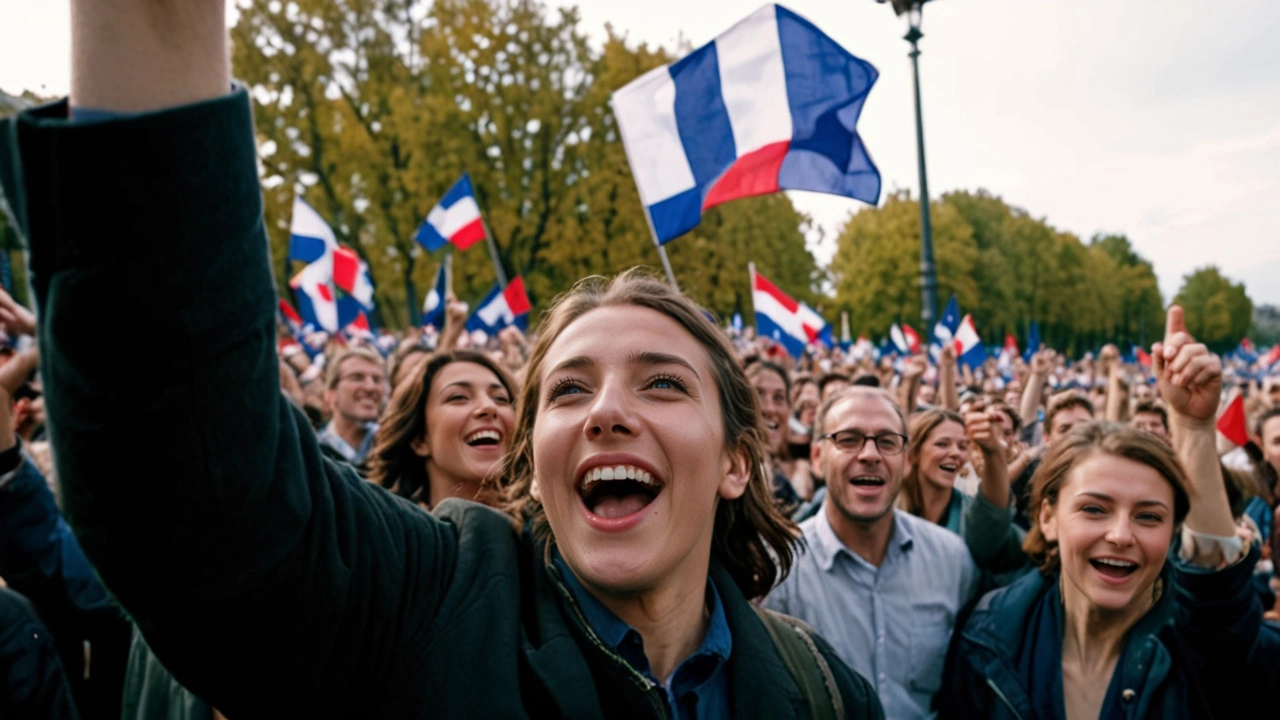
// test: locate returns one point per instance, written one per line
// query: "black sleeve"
(964, 694)
(860, 698)
(266, 578)
(35, 685)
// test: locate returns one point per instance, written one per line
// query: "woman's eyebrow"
(658, 358)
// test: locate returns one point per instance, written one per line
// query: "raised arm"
(1041, 366)
(910, 385)
(1190, 380)
(269, 580)
(947, 379)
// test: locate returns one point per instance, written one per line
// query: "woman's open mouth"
(1114, 568)
(485, 438)
(618, 491)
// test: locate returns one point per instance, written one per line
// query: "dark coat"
(32, 682)
(1186, 658)
(270, 580)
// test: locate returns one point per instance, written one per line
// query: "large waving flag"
(502, 308)
(792, 324)
(770, 105)
(433, 305)
(455, 219)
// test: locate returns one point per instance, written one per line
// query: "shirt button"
(1128, 695)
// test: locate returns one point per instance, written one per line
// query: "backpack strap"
(808, 668)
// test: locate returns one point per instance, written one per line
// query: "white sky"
(1156, 118)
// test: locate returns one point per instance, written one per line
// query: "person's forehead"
(359, 363)
(863, 411)
(596, 337)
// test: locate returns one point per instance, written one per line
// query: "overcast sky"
(1156, 118)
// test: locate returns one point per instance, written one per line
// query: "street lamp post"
(928, 272)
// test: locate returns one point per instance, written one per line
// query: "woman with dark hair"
(773, 389)
(446, 430)
(1133, 612)
(937, 451)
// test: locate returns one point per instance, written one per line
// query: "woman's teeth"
(617, 472)
(483, 435)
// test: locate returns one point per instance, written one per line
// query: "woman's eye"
(564, 387)
(502, 399)
(666, 382)
(1091, 510)
(455, 398)
(1151, 518)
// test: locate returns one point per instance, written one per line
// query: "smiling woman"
(446, 430)
(1141, 604)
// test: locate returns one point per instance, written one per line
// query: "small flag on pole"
(502, 308)
(789, 323)
(433, 306)
(455, 219)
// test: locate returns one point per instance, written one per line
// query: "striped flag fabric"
(501, 308)
(455, 219)
(791, 324)
(433, 304)
(772, 104)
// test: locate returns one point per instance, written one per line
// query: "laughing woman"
(446, 430)
(1142, 606)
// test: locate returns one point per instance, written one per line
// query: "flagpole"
(448, 275)
(493, 252)
(662, 251)
(751, 277)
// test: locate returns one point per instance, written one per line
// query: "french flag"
(455, 219)
(969, 347)
(770, 105)
(317, 303)
(905, 339)
(502, 308)
(310, 237)
(792, 324)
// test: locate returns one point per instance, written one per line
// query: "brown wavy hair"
(393, 464)
(1080, 444)
(752, 539)
(922, 423)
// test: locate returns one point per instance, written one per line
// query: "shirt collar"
(615, 633)
(827, 546)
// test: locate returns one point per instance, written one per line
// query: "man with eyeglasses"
(356, 388)
(882, 586)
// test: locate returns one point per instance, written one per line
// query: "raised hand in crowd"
(984, 429)
(949, 394)
(17, 320)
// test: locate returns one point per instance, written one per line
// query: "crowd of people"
(630, 512)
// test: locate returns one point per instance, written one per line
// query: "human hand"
(983, 429)
(455, 310)
(1188, 375)
(13, 373)
(948, 355)
(1042, 362)
(915, 367)
(17, 320)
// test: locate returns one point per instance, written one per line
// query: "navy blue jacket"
(1186, 658)
(40, 558)
(32, 682)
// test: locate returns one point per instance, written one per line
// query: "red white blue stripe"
(502, 308)
(791, 324)
(455, 219)
(772, 104)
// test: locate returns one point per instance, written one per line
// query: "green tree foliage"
(1218, 311)
(372, 109)
(1265, 329)
(1005, 267)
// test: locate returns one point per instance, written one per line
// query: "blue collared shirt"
(699, 687)
(355, 456)
(891, 623)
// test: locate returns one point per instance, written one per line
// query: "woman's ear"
(1048, 521)
(421, 447)
(736, 468)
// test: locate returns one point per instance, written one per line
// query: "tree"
(876, 268)
(1218, 312)
(371, 110)
(1265, 329)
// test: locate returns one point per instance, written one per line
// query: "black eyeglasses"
(852, 441)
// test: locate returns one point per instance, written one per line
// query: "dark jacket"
(1185, 658)
(32, 682)
(39, 557)
(272, 581)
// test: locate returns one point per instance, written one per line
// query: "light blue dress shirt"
(892, 623)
